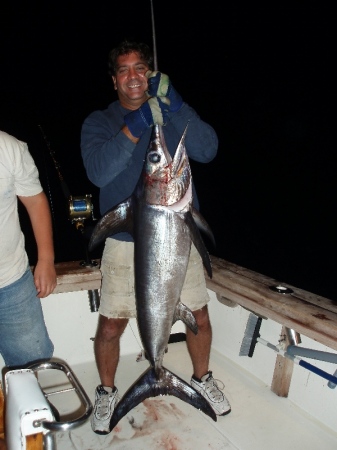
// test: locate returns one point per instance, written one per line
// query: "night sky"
(262, 76)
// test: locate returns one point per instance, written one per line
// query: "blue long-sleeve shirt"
(114, 163)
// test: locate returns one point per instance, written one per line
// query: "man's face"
(130, 80)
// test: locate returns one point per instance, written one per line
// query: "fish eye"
(154, 157)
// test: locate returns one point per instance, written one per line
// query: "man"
(113, 146)
(23, 335)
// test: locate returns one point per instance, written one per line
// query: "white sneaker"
(105, 403)
(208, 388)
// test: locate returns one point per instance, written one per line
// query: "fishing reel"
(80, 209)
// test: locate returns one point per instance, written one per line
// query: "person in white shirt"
(24, 338)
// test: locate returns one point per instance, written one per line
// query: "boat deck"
(259, 420)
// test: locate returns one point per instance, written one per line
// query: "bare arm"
(39, 213)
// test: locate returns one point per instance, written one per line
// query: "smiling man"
(113, 146)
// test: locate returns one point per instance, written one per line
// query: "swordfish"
(160, 217)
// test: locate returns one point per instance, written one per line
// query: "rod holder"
(94, 300)
(294, 338)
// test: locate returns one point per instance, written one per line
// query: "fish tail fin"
(152, 384)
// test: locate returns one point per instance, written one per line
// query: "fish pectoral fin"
(185, 314)
(203, 225)
(116, 220)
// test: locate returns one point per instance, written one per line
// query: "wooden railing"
(302, 311)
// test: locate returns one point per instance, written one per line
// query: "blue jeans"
(23, 334)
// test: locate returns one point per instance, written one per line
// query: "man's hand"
(153, 111)
(159, 85)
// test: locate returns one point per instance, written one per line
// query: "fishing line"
(141, 354)
(155, 65)
(48, 181)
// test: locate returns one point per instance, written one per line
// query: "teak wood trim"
(308, 314)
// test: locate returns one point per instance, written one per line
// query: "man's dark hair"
(126, 47)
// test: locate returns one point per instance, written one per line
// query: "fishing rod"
(80, 208)
(57, 166)
(155, 59)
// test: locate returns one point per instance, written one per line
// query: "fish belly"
(162, 249)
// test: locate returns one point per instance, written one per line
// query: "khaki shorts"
(117, 290)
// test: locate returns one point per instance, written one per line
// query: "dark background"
(261, 75)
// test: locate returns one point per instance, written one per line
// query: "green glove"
(159, 85)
